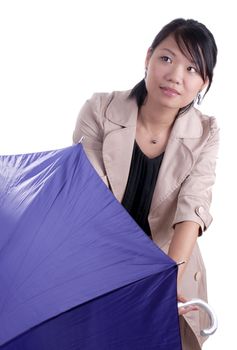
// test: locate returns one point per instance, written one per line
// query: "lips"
(169, 91)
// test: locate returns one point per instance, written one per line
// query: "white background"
(55, 54)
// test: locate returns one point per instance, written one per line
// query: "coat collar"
(121, 116)
(123, 111)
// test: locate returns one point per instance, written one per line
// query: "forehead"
(171, 46)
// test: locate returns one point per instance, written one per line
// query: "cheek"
(153, 76)
(194, 89)
(151, 79)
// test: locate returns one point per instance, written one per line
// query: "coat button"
(200, 210)
(197, 276)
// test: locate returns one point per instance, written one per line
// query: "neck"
(159, 116)
(161, 120)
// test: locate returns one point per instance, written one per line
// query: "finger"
(185, 310)
(182, 310)
(181, 298)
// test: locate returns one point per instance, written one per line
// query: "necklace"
(154, 133)
(152, 139)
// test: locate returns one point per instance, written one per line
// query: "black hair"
(193, 39)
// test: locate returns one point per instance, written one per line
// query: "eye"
(166, 59)
(192, 69)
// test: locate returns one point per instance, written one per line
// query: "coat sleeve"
(89, 126)
(195, 195)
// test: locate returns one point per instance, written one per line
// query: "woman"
(157, 153)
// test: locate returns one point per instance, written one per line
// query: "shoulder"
(194, 124)
(208, 122)
(115, 107)
(102, 100)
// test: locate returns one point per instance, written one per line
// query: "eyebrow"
(170, 51)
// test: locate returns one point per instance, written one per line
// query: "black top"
(140, 186)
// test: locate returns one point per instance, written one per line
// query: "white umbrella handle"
(212, 316)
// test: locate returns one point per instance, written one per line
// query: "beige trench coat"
(183, 190)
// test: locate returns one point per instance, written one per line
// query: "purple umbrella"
(76, 271)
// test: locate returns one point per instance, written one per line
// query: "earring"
(145, 72)
(199, 98)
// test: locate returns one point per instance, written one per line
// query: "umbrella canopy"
(76, 271)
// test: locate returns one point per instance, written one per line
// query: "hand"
(185, 310)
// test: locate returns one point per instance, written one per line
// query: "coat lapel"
(178, 159)
(120, 131)
(176, 165)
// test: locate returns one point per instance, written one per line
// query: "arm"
(183, 241)
(192, 214)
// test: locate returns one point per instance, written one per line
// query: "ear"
(205, 84)
(148, 56)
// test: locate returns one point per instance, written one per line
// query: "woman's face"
(172, 80)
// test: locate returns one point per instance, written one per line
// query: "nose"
(175, 74)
